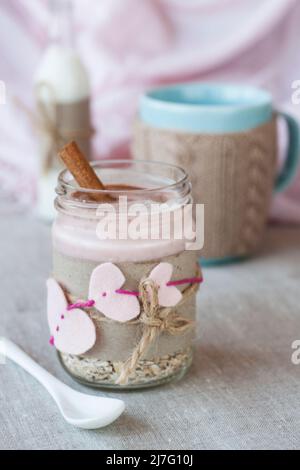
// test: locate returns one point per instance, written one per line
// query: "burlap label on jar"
(115, 340)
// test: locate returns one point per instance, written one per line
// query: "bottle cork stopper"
(83, 172)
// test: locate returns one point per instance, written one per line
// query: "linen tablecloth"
(242, 391)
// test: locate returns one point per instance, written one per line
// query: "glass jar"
(155, 345)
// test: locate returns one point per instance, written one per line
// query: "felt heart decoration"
(105, 280)
(73, 332)
(168, 296)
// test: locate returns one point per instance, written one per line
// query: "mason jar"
(128, 274)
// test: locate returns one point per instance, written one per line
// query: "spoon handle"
(17, 355)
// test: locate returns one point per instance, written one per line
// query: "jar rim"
(127, 163)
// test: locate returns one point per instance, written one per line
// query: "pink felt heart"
(168, 296)
(56, 303)
(105, 280)
(73, 332)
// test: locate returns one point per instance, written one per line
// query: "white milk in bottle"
(63, 102)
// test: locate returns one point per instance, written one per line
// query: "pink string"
(91, 303)
(191, 280)
(88, 303)
(127, 292)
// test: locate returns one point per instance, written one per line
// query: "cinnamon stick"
(84, 174)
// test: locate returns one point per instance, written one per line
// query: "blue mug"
(225, 136)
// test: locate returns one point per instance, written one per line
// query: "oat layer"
(105, 373)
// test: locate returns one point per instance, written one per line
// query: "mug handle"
(293, 154)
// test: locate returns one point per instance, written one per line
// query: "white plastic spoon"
(79, 409)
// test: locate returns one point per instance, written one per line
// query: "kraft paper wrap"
(115, 341)
(61, 123)
(232, 175)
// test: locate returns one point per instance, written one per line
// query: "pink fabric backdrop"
(130, 45)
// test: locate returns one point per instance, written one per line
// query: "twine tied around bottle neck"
(155, 320)
(45, 121)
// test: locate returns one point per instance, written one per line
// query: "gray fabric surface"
(241, 393)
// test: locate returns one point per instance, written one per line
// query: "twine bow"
(156, 320)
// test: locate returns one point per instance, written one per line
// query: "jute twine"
(155, 320)
(45, 121)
